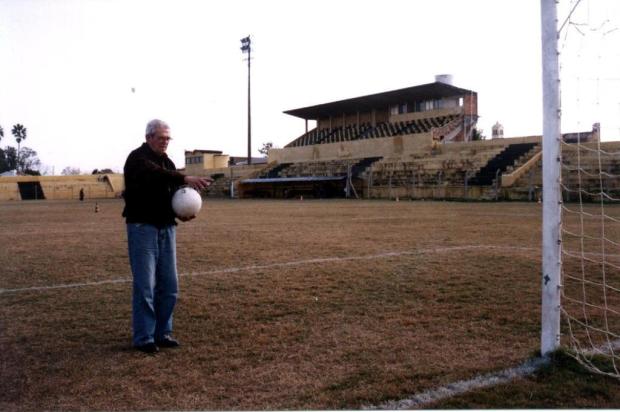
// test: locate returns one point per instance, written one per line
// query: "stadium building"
(419, 142)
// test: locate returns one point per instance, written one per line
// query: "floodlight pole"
(247, 48)
(552, 200)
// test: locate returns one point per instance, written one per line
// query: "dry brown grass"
(263, 326)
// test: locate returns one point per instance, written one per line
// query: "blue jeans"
(152, 256)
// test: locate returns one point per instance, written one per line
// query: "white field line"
(276, 265)
(450, 214)
(460, 387)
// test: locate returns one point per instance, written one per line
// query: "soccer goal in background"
(581, 181)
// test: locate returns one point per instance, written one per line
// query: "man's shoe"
(150, 348)
(168, 342)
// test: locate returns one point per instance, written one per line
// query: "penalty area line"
(461, 387)
(275, 265)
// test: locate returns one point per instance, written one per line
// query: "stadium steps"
(275, 171)
(507, 157)
(220, 186)
(361, 166)
(31, 191)
(522, 166)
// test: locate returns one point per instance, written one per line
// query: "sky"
(85, 76)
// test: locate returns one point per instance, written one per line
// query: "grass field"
(283, 305)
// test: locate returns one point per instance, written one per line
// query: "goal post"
(581, 182)
(551, 157)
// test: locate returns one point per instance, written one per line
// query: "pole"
(552, 204)
(249, 111)
(246, 47)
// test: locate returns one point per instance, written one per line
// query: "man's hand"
(198, 182)
(185, 219)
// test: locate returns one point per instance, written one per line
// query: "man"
(151, 179)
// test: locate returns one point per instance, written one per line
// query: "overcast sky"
(85, 76)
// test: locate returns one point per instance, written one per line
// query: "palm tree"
(19, 131)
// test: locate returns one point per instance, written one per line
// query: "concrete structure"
(497, 131)
(592, 136)
(407, 143)
(201, 162)
(197, 161)
(447, 112)
(60, 187)
(351, 134)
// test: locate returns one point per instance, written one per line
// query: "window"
(190, 160)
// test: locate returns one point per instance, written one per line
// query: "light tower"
(246, 48)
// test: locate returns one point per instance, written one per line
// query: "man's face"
(159, 141)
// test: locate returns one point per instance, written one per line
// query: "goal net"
(589, 229)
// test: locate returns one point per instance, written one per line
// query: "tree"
(3, 162)
(102, 171)
(8, 159)
(265, 149)
(27, 161)
(19, 131)
(106, 171)
(31, 172)
(24, 160)
(476, 134)
(70, 171)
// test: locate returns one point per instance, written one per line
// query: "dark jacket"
(150, 181)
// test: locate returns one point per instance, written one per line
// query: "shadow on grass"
(563, 383)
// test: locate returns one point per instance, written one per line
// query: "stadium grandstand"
(420, 142)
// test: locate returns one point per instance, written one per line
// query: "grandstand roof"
(367, 103)
(195, 151)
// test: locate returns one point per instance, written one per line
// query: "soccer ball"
(186, 202)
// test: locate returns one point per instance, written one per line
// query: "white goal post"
(581, 182)
(551, 256)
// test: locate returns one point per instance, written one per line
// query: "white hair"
(155, 124)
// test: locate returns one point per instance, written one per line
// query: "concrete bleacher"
(425, 167)
(325, 168)
(220, 186)
(504, 160)
(583, 170)
(367, 131)
(453, 168)
(589, 170)
(320, 168)
(224, 177)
